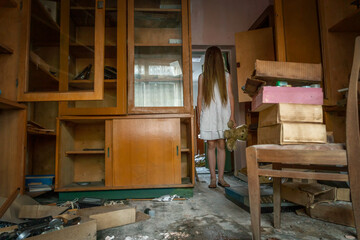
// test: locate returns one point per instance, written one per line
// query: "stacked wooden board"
(289, 115)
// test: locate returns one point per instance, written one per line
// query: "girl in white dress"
(216, 107)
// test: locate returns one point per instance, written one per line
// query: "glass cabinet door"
(63, 51)
(158, 56)
(81, 51)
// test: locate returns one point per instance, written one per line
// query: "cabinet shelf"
(90, 152)
(81, 186)
(185, 150)
(157, 45)
(40, 74)
(8, 3)
(88, 84)
(8, 104)
(157, 10)
(91, 8)
(85, 16)
(348, 24)
(162, 79)
(86, 51)
(40, 132)
(5, 49)
(44, 30)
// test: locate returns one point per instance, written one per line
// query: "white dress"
(214, 118)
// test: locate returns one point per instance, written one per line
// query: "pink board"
(268, 96)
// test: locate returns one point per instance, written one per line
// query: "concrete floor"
(209, 215)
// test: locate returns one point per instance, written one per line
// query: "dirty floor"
(209, 215)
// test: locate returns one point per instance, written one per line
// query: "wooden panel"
(89, 136)
(42, 155)
(335, 157)
(10, 19)
(64, 165)
(108, 153)
(146, 152)
(347, 24)
(301, 28)
(338, 49)
(251, 45)
(12, 150)
(89, 168)
(279, 31)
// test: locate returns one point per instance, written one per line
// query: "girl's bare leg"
(221, 162)
(211, 158)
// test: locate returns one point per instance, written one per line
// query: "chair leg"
(277, 197)
(254, 191)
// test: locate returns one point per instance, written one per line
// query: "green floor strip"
(128, 194)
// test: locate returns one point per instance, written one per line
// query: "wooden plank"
(280, 46)
(5, 49)
(304, 175)
(251, 45)
(289, 156)
(156, 10)
(254, 192)
(348, 24)
(8, 104)
(122, 94)
(8, 3)
(109, 153)
(288, 70)
(301, 30)
(84, 152)
(353, 137)
(9, 201)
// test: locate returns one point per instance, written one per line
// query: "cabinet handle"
(177, 150)
(108, 152)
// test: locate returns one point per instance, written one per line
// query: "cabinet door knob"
(108, 150)
(177, 150)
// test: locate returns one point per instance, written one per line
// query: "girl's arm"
(231, 98)
(199, 97)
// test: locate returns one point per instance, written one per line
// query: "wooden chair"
(325, 157)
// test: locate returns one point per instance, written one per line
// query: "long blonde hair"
(214, 72)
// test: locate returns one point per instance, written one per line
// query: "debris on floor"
(200, 160)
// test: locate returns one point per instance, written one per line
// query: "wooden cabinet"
(81, 157)
(54, 53)
(95, 153)
(115, 70)
(158, 57)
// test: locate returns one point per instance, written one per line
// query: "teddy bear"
(234, 134)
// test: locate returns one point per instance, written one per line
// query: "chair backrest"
(352, 136)
(352, 112)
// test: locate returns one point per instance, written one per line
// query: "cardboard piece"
(86, 230)
(343, 194)
(269, 96)
(292, 133)
(109, 216)
(289, 112)
(288, 70)
(40, 211)
(336, 212)
(307, 194)
(11, 215)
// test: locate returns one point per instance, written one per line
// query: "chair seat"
(327, 146)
